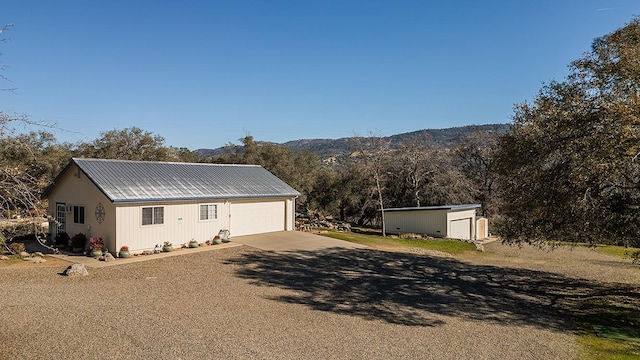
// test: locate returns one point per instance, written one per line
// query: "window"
(208, 212)
(78, 214)
(153, 215)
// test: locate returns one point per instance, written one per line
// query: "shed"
(445, 221)
(143, 203)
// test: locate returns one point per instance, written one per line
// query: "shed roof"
(144, 181)
(438, 207)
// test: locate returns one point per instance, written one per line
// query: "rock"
(4, 257)
(38, 260)
(24, 254)
(479, 246)
(147, 252)
(38, 253)
(76, 269)
(108, 257)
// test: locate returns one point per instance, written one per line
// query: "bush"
(79, 240)
(635, 257)
(62, 239)
(17, 248)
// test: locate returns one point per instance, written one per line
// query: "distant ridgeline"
(332, 147)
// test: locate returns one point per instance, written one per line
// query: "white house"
(143, 203)
(446, 221)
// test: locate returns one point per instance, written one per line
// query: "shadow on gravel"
(409, 289)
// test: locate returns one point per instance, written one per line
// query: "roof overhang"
(438, 207)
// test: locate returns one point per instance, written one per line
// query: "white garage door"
(256, 218)
(460, 229)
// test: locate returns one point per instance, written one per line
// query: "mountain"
(331, 147)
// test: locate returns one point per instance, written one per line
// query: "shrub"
(79, 240)
(62, 239)
(17, 248)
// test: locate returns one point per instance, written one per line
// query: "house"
(446, 221)
(144, 203)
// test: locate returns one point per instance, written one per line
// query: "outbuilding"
(144, 203)
(445, 221)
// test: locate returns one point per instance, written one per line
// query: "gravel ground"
(242, 303)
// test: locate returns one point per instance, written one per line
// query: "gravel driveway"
(244, 303)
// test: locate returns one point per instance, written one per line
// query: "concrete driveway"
(293, 241)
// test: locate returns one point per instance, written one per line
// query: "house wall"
(427, 222)
(459, 215)
(73, 188)
(181, 224)
(290, 214)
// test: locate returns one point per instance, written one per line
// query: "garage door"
(460, 229)
(256, 218)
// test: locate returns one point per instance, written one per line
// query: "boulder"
(38, 260)
(479, 246)
(76, 269)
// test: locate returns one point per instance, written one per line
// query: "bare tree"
(19, 195)
(374, 153)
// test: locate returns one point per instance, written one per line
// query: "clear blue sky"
(205, 73)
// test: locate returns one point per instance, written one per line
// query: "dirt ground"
(243, 303)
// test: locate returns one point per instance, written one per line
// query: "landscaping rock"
(147, 252)
(4, 257)
(38, 260)
(24, 254)
(479, 247)
(76, 269)
(109, 257)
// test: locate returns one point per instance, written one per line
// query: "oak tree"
(570, 166)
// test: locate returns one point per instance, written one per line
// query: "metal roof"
(141, 181)
(438, 207)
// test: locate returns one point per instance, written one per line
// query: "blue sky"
(205, 73)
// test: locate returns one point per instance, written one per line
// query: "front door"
(60, 224)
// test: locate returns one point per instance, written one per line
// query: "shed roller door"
(460, 229)
(256, 218)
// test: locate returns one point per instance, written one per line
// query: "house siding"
(429, 222)
(181, 224)
(75, 189)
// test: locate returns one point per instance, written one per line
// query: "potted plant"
(167, 246)
(217, 240)
(124, 252)
(96, 246)
(193, 243)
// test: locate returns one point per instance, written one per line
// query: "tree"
(475, 154)
(22, 173)
(128, 144)
(298, 169)
(570, 166)
(374, 153)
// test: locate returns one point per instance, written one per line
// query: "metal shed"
(444, 221)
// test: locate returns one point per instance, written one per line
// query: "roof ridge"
(76, 159)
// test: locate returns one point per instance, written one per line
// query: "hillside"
(332, 147)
